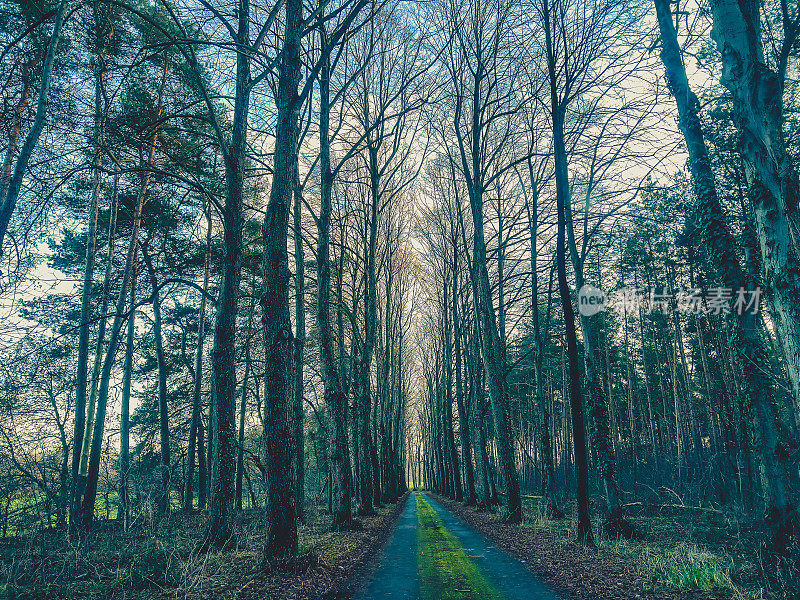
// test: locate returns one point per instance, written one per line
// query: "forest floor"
(437, 550)
(681, 555)
(163, 561)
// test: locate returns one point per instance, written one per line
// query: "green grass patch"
(687, 567)
(446, 572)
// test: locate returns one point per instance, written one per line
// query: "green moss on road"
(446, 572)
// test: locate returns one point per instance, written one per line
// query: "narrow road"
(434, 555)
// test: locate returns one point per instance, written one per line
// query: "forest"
(324, 298)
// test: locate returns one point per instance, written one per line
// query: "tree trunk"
(124, 427)
(717, 238)
(548, 471)
(335, 399)
(281, 517)
(452, 454)
(463, 415)
(86, 295)
(223, 355)
(492, 348)
(562, 189)
(366, 483)
(757, 94)
(162, 499)
(90, 494)
(195, 428)
(299, 345)
(240, 466)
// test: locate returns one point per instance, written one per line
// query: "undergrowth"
(688, 552)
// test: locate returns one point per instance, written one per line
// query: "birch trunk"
(773, 191)
(741, 69)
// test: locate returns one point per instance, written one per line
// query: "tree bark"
(721, 258)
(562, 189)
(281, 516)
(299, 346)
(90, 494)
(81, 383)
(491, 345)
(223, 354)
(162, 498)
(124, 426)
(548, 471)
(452, 454)
(463, 415)
(773, 191)
(240, 466)
(195, 428)
(335, 399)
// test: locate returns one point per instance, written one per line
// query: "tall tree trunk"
(562, 189)
(492, 348)
(124, 427)
(203, 461)
(452, 454)
(598, 400)
(88, 272)
(494, 366)
(281, 517)
(548, 471)
(93, 473)
(299, 346)
(757, 93)
(478, 411)
(722, 258)
(335, 399)
(463, 416)
(195, 428)
(240, 466)
(366, 483)
(162, 499)
(223, 355)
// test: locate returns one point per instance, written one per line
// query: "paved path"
(396, 576)
(398, 572)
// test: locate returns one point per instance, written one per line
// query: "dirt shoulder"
(570, 569)
(328, 564)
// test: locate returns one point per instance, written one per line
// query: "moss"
(446, 572)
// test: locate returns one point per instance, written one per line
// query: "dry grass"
(164, 561)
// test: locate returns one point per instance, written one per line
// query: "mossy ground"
(446, 572)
